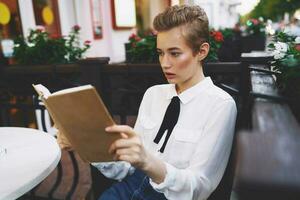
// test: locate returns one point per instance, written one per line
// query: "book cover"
(80, 114)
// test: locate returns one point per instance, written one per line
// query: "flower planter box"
(253, 43)
(267, 155)
(292, 93)
(19, 78)
(143, 55)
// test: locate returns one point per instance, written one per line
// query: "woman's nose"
(165, 62)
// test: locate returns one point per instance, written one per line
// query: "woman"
(182, 138)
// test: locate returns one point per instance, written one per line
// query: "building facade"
(97, 19)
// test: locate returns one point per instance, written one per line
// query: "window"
(10, 27)
(124, 14)
(47, 15)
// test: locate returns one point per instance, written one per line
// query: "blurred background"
(108, 24)
(254, 56)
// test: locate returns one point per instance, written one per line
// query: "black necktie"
(169, 122)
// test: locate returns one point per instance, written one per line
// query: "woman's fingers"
(129, 148)
(123, 135)
(124, 143)
(121, 152)
(63, 142)
(127, 155)
(121, 129)
(128, 158)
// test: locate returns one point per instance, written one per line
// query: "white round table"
(28, 156)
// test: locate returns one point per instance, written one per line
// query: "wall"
(67, 16)
(27, 16)
(156, 6)
(112, 43)
(221, 13)
(79, 12)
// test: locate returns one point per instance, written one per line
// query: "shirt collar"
(190, 93)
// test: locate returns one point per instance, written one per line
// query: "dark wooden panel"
(263, 83)
(256, 57)
(268, 167)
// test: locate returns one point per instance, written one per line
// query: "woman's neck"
(190, 83)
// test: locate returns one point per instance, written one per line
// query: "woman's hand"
(63, 142)
(129, 148)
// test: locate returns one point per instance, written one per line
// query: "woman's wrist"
(154, 168)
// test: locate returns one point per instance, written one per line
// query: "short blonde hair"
(194, 20)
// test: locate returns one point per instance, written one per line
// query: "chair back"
(223, 190)
(26, 110)
(122, 87)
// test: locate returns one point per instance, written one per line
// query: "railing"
(266, 155)
(123, 85)
(19, 106)
(120, 85)
(267, 166)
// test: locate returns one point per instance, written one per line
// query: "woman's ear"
(203, 51)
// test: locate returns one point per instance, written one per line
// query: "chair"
(224, 189)
(239, 90)
(65, 180)
(43, 119)
(134, 79)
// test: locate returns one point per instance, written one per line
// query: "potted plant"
(231, 48)
(141, 48)
(216, 40)
(286, 60)
(255, 38)
(39, 48)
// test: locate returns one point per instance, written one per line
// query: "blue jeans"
(133, 187)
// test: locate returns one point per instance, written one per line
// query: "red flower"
(87, 42)
(255, 21)
(218, 36)
(137, 38)
(39, 30)
(212, 33)
(76, 27)
(132, 36)
(297, 47)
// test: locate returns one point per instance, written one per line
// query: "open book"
(81, 116)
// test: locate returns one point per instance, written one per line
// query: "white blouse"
(198, 149)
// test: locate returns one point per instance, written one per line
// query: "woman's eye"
(159, 53)
(175, 54)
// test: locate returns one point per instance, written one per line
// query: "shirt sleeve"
(114, 170)
(210, 159)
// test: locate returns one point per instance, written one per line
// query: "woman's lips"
(170, 75)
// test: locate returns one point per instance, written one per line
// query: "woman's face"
(180, 65)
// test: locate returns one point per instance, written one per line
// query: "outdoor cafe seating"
(245, 81)
(256, 61)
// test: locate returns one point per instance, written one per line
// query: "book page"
(42, 90)
(74, 89)
(45, 93)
